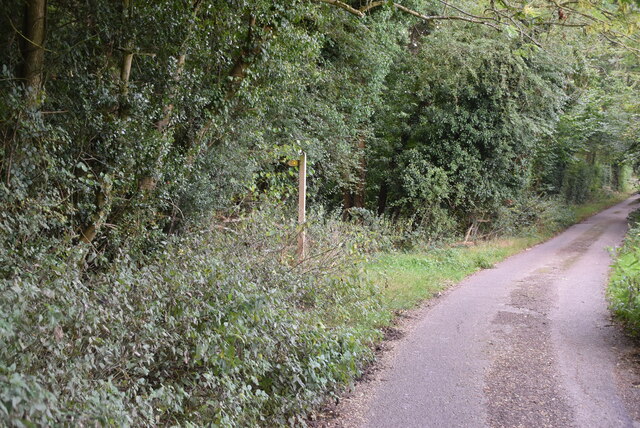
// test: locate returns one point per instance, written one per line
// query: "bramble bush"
(222, 327)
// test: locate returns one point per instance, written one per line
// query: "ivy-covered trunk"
(35, 20)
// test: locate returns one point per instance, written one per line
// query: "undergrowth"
(223, 327)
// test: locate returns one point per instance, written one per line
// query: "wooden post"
(302, 205)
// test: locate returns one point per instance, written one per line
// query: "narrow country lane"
(529, 343)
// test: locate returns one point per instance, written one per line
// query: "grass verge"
(409, 278)
(623, 291)
(590, 208)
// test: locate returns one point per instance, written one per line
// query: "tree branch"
(445, 17)
(447, 4)
(344, 6)
(363, 10)
(631, 49)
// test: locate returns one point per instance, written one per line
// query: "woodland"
(148, 274)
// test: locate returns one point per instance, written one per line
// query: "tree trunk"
(127, 59)
(238, 72)
(167, 110)
(125, 70)
(347, 203)
(162, 124)
(103, 194)
(103, 206)
(359, 197)
(33, 49)
(382, 197)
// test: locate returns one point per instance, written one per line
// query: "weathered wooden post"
(302, 205)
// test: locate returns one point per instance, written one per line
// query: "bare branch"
(462, 11)
(497, 22)
(445, 17)
(369, 6)
(617, 42)
(565, 24)
(516, 24)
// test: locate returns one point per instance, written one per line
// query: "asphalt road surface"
(529, 343)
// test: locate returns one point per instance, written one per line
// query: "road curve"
(529, 343)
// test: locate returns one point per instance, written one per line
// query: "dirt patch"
(392, 333)
(521, 386)
(532, 293)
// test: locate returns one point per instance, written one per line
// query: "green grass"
(587, 210)
(409, 278)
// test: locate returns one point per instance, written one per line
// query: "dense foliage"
(217, 328)
(146, 267)
(468, 109)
